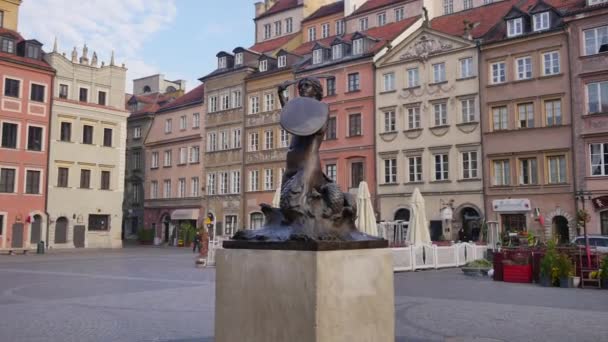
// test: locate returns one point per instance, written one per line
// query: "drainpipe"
(48, 160)
(573, 144)
(484, 179)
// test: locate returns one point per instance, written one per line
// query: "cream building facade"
(428, 132)
(87, 154)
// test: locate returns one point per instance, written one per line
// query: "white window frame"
(235, 182)
(602, 163)
(515, 27)
(503, 118)
(238, 59)
(167, 191)
(336, 51)
(181, 188)
(254, 142)
(439, 72)
(183, 123)
(236, 99)
(325, 30)
(211, 142)
(505, 171)
(195, 154)
(561, 178)
(598, 93)
(222, 62)
(340, 27)
(312, 34)
(196, 120)
(592, 39)
(531, 173)
(154, 160)
(268, 179)
(498, 72)
(413, 117)
(390, 121)
(444, 166)
(551, 63)
(194, 187)
(268, 102)
(236, 138)
(389, 81)
(168, 158)
(468, 110)
(542, 21)
(168, 126)
(523, 65)
(381, 18)
(284, 138)
(399, 14)
(211, 186)
(267, 31)
(254, 104)
(268, 140)
(263, 65)
(414, 163)
(440, 114)
(390, 170)
(358, 46)
(183, 156)
(363, 24)
(413, 77)
(448, 7)
(317, 56)
(154, 189)
(282, 61)
(40, 181)
(466, 67)
(468, 158)
(288, 25)
(254, 179)
(137, 132)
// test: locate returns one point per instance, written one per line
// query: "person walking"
(197, 243)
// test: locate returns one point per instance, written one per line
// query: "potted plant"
(547, 265)
(477, 267)
(603, 273)
(582, 217)
(564, 267)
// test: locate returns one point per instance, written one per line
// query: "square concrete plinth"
(304, 296)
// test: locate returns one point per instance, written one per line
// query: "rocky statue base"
(341, 295)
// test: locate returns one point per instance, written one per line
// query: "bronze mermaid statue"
(312, 206)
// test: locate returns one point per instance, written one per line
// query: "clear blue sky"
(178, 38)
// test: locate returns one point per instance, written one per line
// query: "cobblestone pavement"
(156, 294)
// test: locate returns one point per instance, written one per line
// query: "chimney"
(259, 9)
(352, 5)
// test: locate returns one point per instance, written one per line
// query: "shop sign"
(510, 205)
(600, 202)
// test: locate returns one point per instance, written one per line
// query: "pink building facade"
(25, 109)
(173, 178)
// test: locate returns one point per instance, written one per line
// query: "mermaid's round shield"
(304, 116)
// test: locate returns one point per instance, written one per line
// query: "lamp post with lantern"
(583, 196)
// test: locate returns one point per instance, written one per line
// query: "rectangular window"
(278, 28)
(413, 78)
(541, 21)
(528, 171)
(11, 87)
(439, 72)
(183, 155)
(599, 159)
(268, 140)
(107, 137)
(154, 190)
(7, 180)
(441, 167)
(317, 56)
(253, 141)
(524, 68)
(448, 6)
(196, 120)
(358, 47)
(399, 14)
(267, 31)
(236, 138)
(336, 51)
(390, 171)
(194, 187)
(514, 27)
(331, 133)
(325, 30)
(282, 61)
(331, 86)
(254, 105)
(231, 222)
(469, 165)
(105, 180)
(468, 110)
(268, 179)
(363, 24)
(101, 98)
(235, 182)
(467, 4)
(500, 119)
(8, 45)
(83, 95)
(340, 27)
(85, 179)
(526, 115)
(441, 113)
(312, 34)
(181, 188)
(211, 184)
(269, 102)
(594, 39)
(331, 171)
(224, 182)
(557, 169)
(466, 67)
(236, 99)
(551, 63)
(553, 111)
(382, 19)
(167, 188)
(183, 122)
(63, 91)
(354, 125)
(288, 25)
(66, 131)
(238, 59)
(221, 63)
(502, 172)
(413, 117)
(136, 161)
(10, 132)
(32, 182)
(389, 81)
(99, 222)
(212, 104)
(34, 138)
(168, 126)
(254, 180)
(284, 138)
(168, 158)
(195, 153)
(415, 169)
(499, 73)
(353, 82)
(211, 142)
(37, 92)
(62, 177)
(136, 132)
(87, 134)
(225, 100)
(154, 164)
(390, 121)
(597, 97)
(356, 174)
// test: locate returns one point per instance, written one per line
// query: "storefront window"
(513, 223)
(604, 222)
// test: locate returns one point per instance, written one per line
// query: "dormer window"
(336, 51)
(8, 45)
(32, 51)
(238, 58)
(282, 61)
(221, 62)
(317, 56)
(541, 21)
(358, 46)
(514, 27)
(596, 2)
(263, 65)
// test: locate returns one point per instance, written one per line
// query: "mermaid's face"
(306, 89)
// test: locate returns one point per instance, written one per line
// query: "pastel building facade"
(87, 155)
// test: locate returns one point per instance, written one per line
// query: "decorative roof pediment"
(358, 35)
(319, 46)
(515, 13)
(266, 57)
(540, 6)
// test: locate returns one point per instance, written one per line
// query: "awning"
(185, 214)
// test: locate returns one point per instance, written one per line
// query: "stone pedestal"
(304, 296)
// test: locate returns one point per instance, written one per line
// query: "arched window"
(61, 230)
(171, 89)
(402, 215)
(257, 220)
(147, 89)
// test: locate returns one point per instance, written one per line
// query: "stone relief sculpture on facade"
(312, 207)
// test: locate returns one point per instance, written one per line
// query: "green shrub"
(564, 266)
(549, 260)
(482, 263)
(146, 235)
(604, 268)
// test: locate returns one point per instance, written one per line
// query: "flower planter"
(517, 273)
(576, 282)
(604, 283)
(475, 271)
(545, 281)
(564, 282)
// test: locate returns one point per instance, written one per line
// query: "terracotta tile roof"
(273, 44)
(371, 5)
(333, 8)
(152, 103)
(381, 33)
(36, 63)
(194, 96)
(280, 6)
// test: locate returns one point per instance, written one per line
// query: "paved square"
(156, 294)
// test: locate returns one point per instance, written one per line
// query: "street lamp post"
(582, 195)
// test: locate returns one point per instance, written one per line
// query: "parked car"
(597, 241)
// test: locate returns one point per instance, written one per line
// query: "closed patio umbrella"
(418, 230)
(276, 200)
(366, 219)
